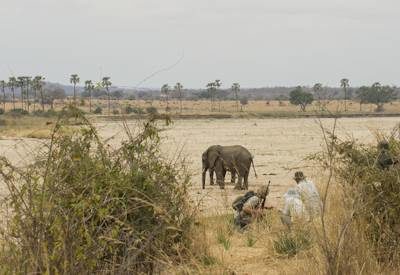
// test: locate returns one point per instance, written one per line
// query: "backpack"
(241, 200)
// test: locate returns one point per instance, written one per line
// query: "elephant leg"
(233, 177)
(211, 176)
(224, 174)
(220, 171)
(238, 185)
(246, 180)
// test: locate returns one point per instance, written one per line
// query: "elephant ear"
(212, 157)
(204, 156)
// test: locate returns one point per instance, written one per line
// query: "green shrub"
(115, 112)
(136, 110)
(291, 243)
(1, 111)
(98, 110)
(151, 110)
(84, 208)
(373, 193)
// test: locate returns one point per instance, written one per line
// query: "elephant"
(220, 159)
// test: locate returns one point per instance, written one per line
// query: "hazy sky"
(253, 42)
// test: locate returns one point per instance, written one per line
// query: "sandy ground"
(279, 147)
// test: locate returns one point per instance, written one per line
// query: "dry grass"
(26, 126)
(202, 107)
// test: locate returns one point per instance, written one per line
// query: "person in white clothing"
(293, 209)
(308, 194)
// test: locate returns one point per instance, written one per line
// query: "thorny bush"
(373, 193)
(82, 207)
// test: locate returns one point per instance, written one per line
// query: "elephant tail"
(254, 169)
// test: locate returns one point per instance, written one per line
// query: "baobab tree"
(178, 89)
(106, 83)
(12, 83)
(74, 79)
(3, 89)
(236, 88)
(37, 85)
(344, 83)
(317, 88)
(165, 91)
(89, 87)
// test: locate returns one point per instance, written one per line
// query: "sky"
(147, 43)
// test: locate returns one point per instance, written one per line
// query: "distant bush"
(1, 111)
(3, 122)
(115, 112)
(84, 208)
(18, 111)
(151, 110)
(135, 110)
(48, 113)
(98, 110)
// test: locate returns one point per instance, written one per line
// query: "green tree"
(376, 94)
(89, 87)
(165, 91)
(12, 83)
(300, 98)
(106, 83)
(3, 89)
(344, 83)
(317, 88)
(74, 79)
(178, 89)
(236, 89)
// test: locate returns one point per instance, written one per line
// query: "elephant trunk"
(203, 178)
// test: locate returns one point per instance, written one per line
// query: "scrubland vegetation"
(84, 207)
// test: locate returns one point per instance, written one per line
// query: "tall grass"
(82, 207)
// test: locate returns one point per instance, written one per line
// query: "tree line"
(33, 93)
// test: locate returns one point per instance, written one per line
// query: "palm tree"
(37, 85)
(211, 90)
(344, 83)
(3, 89)
(106, 83)
(74, 79)
(217, 85)
(236, 89)
(20, 84)
(178, 88)
(317, 88)
(89, 88)
(12, 83)
(28, 83)
(165, 90)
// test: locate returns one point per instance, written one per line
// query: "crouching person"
(250, 206)
(293, 210)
